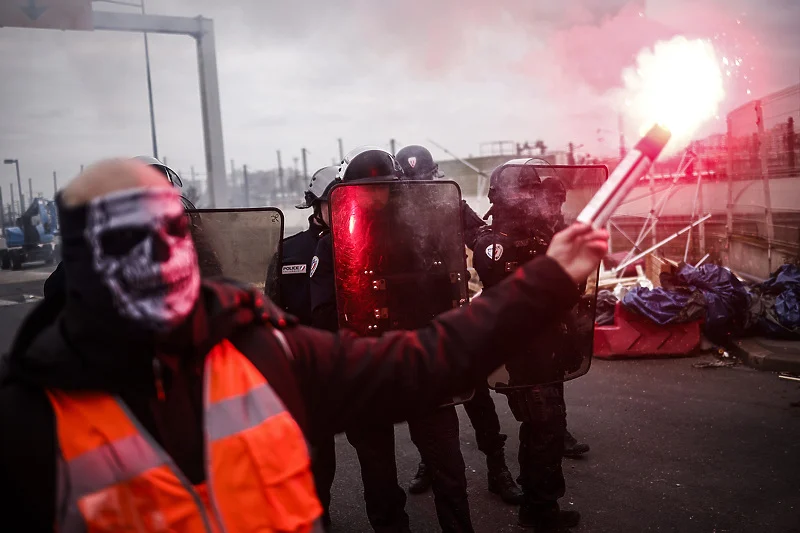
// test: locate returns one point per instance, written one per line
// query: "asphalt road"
(674, 448)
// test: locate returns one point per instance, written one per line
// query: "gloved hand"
(579, 250)
(249, 303)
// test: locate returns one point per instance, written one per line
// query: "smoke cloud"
(301, 74)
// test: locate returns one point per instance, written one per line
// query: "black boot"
(573, 448)
(547, 518)
(500, 480)
(422, 481)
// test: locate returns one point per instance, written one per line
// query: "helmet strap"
(317, 216)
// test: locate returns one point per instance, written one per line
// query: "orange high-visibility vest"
(113, 476)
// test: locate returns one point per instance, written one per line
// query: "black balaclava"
(129, 258)
(317, 219)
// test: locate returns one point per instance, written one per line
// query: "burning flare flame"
(677, 84)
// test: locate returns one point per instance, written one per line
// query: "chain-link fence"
(763, 213)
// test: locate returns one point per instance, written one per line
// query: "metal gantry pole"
(55, 184)
(2, 212)
(150, 91)
(212, 114)
(202, 30)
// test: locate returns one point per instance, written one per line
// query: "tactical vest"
(113, 476)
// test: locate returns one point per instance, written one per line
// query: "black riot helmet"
(170, 174)
(321, 183)
(368, 163)
(514, 181)
(417, 163)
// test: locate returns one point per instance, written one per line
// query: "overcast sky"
(297, 73)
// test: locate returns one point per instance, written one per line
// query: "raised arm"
(347, 379)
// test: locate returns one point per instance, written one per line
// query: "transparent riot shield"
(242, 244)
(398, 253)
(563, 350)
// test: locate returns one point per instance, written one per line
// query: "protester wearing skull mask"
(55, 285)
(159, 402)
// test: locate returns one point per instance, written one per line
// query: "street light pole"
(19, 182)
(140, 5)
(150, 92)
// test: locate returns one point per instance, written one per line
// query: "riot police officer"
(436, 433)
(373, 440)
(170, 174)
(522, 226)
(295, 297)
(418, 164)
(298, 250)
(554, 194)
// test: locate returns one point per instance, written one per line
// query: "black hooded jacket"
(328, 382)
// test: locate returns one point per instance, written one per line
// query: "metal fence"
(763, 170)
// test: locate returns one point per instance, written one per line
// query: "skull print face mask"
(142, 251)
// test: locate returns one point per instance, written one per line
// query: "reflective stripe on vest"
(113, 476)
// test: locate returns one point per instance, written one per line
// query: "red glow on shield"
(354, 243)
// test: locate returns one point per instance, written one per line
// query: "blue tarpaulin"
(709, 288)
(777, 304)
(727, 300)
(662, 306)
